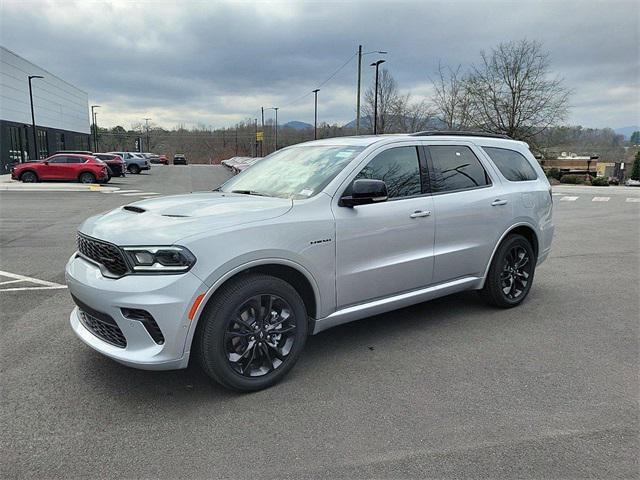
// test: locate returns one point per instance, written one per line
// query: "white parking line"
(601, 199)
(127, 191)
(568, 199)
(139, 193)
(41, 284)
(637, 199)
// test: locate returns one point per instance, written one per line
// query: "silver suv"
(315, 235)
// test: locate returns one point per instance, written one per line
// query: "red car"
(70, 167)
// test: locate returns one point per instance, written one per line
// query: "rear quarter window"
(513, 165)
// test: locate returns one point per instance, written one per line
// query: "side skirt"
(375, 307)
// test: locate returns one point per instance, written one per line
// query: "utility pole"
(236, 140)
(360, 55)
(315, 115)
(256, 131)
(276, 130)
(33, 117)
(358, 98)
(262, 141)
(95, 127)
(146, 123)
(375, 101)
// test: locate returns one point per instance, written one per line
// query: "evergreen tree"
(635, 138)
(635, 172)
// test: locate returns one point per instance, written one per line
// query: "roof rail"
(457, 133)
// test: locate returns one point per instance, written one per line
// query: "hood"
(165, 220)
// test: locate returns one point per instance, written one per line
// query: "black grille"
(104, 328)
(105, 254)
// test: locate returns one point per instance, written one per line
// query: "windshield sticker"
(344, 154)
(307, 192)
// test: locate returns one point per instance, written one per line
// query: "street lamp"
(276, 129)
(95, 127)
(315, 115)
(375, 101)
(33, 116)
(146, 124)
(360, 55)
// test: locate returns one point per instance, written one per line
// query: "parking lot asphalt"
(445, 389)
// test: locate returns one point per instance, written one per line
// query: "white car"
(313, 236)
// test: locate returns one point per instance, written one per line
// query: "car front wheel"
(511, 273)
(252, 332)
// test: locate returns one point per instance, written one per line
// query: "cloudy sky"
(215, 62)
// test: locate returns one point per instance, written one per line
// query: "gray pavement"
(445, 389)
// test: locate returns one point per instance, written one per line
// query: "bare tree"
(388, 98)
(512, 92)
(451, 98)
(410, 116)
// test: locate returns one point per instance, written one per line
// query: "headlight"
(159, 259)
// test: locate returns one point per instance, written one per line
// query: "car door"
(55, 168)
(470, 211)
(385, 248)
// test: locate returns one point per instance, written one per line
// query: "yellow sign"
(259, 136)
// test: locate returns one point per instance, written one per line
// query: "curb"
(60, 187)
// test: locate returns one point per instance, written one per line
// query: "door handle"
(420, 213)
(498, 202)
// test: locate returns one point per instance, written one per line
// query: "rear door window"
(513, 165)
(454, 168)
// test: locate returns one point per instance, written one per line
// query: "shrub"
(635, 171)
(600, 182)
(573, 179)
(553, 173)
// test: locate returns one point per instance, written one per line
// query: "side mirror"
(365, 191)
(46, 162)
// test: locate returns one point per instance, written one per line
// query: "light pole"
(360, 55)
(375, 101)
(95, 127)
(146, 124)
(275, 109)
(33, 116)
(315, 115)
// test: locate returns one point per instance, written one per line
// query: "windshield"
(296, 172)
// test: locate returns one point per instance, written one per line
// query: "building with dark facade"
(61, 113)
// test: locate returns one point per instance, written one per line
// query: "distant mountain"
(296, 125)
(627, 131)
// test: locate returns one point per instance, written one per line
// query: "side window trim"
(431, 168)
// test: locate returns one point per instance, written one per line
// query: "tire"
(135, 169)
(246, 357)
(29, 177)
(87, 177)
(511, 273)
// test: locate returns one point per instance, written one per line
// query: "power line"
(322, 83)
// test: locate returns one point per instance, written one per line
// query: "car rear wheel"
(511, 273)
(87, 177)
(29, 177)
(252, 332)
(135, 169)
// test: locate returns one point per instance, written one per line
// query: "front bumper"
(167, 298)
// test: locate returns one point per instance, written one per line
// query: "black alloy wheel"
(516, 272)
(251, 332)
(511, 273)
(260, 336)
(135, 169)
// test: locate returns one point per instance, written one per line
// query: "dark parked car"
(114, 162)
(68, 166)
(179, 159)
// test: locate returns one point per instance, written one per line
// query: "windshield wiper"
(251, 192)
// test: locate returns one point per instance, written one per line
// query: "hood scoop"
(175, 216)
(134, 209)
